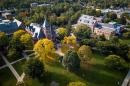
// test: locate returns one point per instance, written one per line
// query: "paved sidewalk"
(126, 80)
(10, 67)
(11, 63)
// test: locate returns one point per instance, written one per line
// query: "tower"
(47, 29)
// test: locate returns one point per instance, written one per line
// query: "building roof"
(9, 26)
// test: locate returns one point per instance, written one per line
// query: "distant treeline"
(96, 3)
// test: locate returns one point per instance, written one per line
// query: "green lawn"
(99, 75)
(19, 66)
(96, 74)
(13, 59)
(7, 78)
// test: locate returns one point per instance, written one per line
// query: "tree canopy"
(27, 41)
(71, 60)
(82, 31)
(85, 53)
(3, 40)
(34, 68)
(44, 48)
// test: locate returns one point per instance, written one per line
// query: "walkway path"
(11, 63)
(10, 67)
(126, 80)
(58, 51)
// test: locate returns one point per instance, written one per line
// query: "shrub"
(115, 62)
(76, 84)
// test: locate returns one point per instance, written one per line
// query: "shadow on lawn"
(100, 75)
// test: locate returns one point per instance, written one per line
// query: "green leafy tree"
(112, 15)
(126, 35)
(85, 53)
(34, 68)
(3, 40)
(115, 62)
(18, 34)
(71, 61)
(26, 40)
(89, 42)
(13, 54)
(16, 44)
(82, 31)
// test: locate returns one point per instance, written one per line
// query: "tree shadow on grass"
(61, 79)
(100, 75)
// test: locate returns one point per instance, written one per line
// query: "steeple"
(47, 29)
(45, 24)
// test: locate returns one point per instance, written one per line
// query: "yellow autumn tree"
(26, 40)
(61, 31)
(18, 34)
(69, 42)
(45, 48)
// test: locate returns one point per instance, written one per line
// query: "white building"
(98, 27)
(34, 4)
(88, 20)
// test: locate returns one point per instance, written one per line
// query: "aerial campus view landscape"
(64, 42)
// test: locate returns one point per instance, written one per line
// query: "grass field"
(19, 66)
(95, 74)
(7, 78)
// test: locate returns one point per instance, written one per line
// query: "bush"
(76, 84)
(71, 61)
(115, 62)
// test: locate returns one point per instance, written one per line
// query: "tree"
(82, 31)
(126, 35)
(18, 34)
(70, 40)
(89, 42)
(15, 41)
(112, 15)
(115, 40)
(44, 48)
(71, 61)
(26, 40)
(98, 13)
(34, 68)
(114, 61)
(3, 40)
(13, 54)
(101, 38)
(128, 54)
(76, 84)
(85, 53)
(61, 32)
